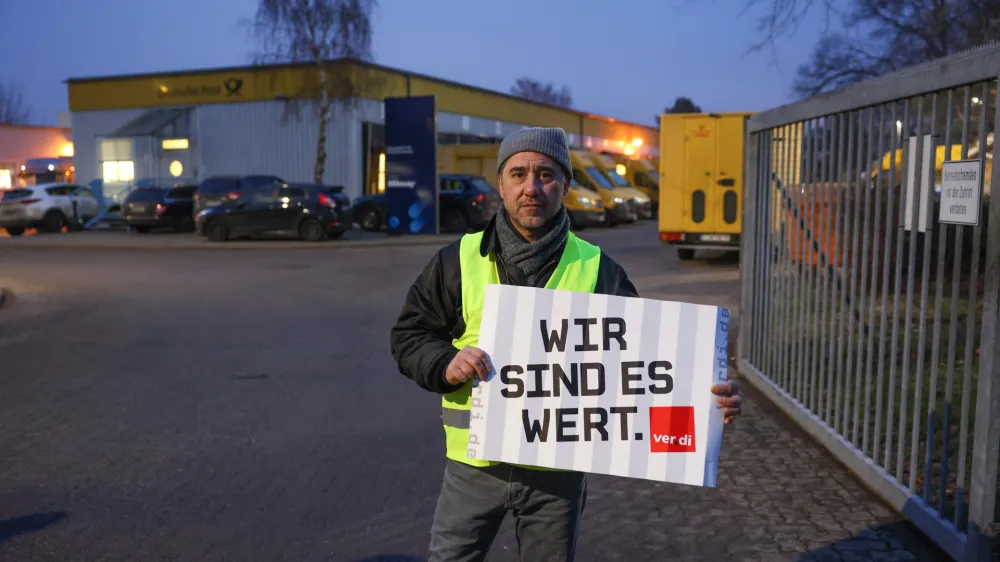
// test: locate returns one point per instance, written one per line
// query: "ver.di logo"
(233, 86)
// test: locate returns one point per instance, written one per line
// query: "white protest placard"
(961, 189)
(601, 384)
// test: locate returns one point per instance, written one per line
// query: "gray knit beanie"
(550, 141)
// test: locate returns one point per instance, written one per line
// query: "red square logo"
(671, 429)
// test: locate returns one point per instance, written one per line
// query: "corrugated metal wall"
(268, 138)
(247, 138)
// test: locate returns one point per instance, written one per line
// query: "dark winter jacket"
(421, 340)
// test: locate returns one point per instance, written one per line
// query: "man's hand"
(729, 399)
(470, 362)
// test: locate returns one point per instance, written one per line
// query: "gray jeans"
(547, 507)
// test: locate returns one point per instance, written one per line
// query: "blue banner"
(411, 190)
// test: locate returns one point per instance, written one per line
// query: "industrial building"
(185, 126)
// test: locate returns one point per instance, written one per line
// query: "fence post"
(747, 238)
(986, 435)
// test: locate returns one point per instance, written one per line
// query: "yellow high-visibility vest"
(577, 271)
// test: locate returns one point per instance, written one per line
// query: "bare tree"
(900, 34)
(681, 105)
(319, 32)
(534, 90)
(868, 38)
(13, 110)
(784, 16)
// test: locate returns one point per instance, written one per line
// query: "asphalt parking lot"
(215, 405)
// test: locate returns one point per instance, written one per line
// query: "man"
(527, 243)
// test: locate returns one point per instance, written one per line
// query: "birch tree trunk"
(324, 117)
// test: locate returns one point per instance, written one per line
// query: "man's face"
(532, 186)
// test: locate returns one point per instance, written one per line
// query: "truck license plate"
(715, 238)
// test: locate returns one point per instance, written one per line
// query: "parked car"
(50, 207)
(216, 190)
(311, 212)
(466, 202)
(160, 206)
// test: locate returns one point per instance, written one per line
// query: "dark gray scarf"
(531, 257)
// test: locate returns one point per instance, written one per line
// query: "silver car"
(49, 207)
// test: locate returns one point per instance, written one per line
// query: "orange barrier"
(814, 207)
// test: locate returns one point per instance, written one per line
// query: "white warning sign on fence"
(601, 384)
(961, 190)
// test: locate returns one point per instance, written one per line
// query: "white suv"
(49, 206)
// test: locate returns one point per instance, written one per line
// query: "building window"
(381, 172)
(5, 178)
(116, 160)
(119, 171)
(174, 144)
(115, 150)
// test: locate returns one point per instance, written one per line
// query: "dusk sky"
(626, 60)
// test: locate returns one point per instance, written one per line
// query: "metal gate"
(866, 318)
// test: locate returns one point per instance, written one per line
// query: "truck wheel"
(311, 230)
(15, 231)
(685, 254)
(54, 221)
(217, 231)
(186, 224)
(370, 221)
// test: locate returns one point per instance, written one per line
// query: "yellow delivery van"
(701, 189)
(619, 206)
(584, 207)
(643, 203)
(642, 174)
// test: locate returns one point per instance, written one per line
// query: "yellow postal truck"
(643, 203)
(701, 173)
(619, 207)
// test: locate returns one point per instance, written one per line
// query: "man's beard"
(532, 221)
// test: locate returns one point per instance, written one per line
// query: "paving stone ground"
(213, 406)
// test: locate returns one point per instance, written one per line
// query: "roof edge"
(362, 63)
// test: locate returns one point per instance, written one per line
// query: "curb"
(210, 247)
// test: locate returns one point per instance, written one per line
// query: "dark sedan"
(154, 207)
(307, 211)
(467, 203)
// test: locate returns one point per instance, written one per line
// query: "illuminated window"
(5, 178)
(381, 172)
(119, 171)
(115, 150)
(175, 144)
(67, 149)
